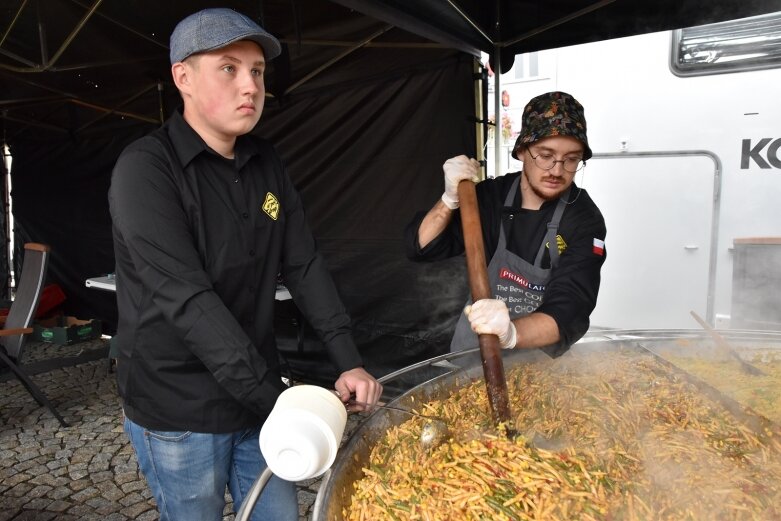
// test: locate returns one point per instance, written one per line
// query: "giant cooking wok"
(434, 379)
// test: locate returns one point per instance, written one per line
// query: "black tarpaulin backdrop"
(365, 153)
(368, 101)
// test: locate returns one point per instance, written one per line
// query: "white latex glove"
(491, 317)
(456, 170)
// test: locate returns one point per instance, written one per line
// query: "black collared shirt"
(199, 241)
(571, 293)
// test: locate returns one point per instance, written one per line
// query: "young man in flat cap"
(204, 218)
(544, 236)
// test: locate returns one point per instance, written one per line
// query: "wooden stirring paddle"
(724, 346)
(490, 351)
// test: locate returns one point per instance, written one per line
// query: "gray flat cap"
(212, 29)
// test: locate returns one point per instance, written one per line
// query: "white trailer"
(684, 165)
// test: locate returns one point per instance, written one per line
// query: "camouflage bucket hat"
(552, 114)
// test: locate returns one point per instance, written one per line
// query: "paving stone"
(116, 516)
(110, 449)
(78, 475)
(9, 443)
(60, 472)
(37, 504)
(110, 491)
(84, 495)
(79, 510)
(63, 454)
(7, 473)
(55, 464)
(27, 455)
(149, 515)
(49, 479)
(20, 489)
(59, 505)
(39, 491)
(98, 476)
(101, 457)
(305, 501)
(102, 505)
(39, 467)
(60, 493)
(123, 476)
(130, 499)
(34, 515)
(132, 486)
(81, 456)
(6, 455)
(11, 507)
(134, 511)
(53, 441)
(122, 459)
(84, 472)
(74, 444)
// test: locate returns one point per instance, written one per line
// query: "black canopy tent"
(366, 102)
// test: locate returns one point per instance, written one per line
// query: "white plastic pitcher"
(301, 436)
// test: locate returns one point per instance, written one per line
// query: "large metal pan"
(435, 378)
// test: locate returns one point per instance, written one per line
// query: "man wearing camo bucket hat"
(544, 236)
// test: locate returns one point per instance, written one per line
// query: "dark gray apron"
(519, 284)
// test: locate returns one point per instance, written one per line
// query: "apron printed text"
(504, 273)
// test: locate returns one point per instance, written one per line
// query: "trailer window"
(527, 66)
(738, 45)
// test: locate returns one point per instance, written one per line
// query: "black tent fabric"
(365, 155)
(513, 27)
(365, 104)
(375, 161)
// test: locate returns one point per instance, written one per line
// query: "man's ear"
(181, 75)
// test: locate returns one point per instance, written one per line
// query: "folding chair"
(20, 317)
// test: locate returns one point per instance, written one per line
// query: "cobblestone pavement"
(83, 472)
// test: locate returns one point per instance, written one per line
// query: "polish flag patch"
(599, 247)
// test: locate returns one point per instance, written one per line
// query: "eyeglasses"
(548, 161)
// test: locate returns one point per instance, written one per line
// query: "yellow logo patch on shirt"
(560, 244)
(271, 206)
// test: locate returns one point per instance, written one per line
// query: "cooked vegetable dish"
(601, 436)
(762, 393)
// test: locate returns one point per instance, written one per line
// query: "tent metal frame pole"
(338, 58)
(480, 114)
(560, 21)
(140, 34)
(469, 20)
(107, 111)
(49, 63)
(497, 112)
(70, 98)
(13, 22)
(36, 124)
(6, 201)
(370, 45)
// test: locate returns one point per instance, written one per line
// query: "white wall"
(658, 211)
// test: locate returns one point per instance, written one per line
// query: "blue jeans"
(187, 473)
